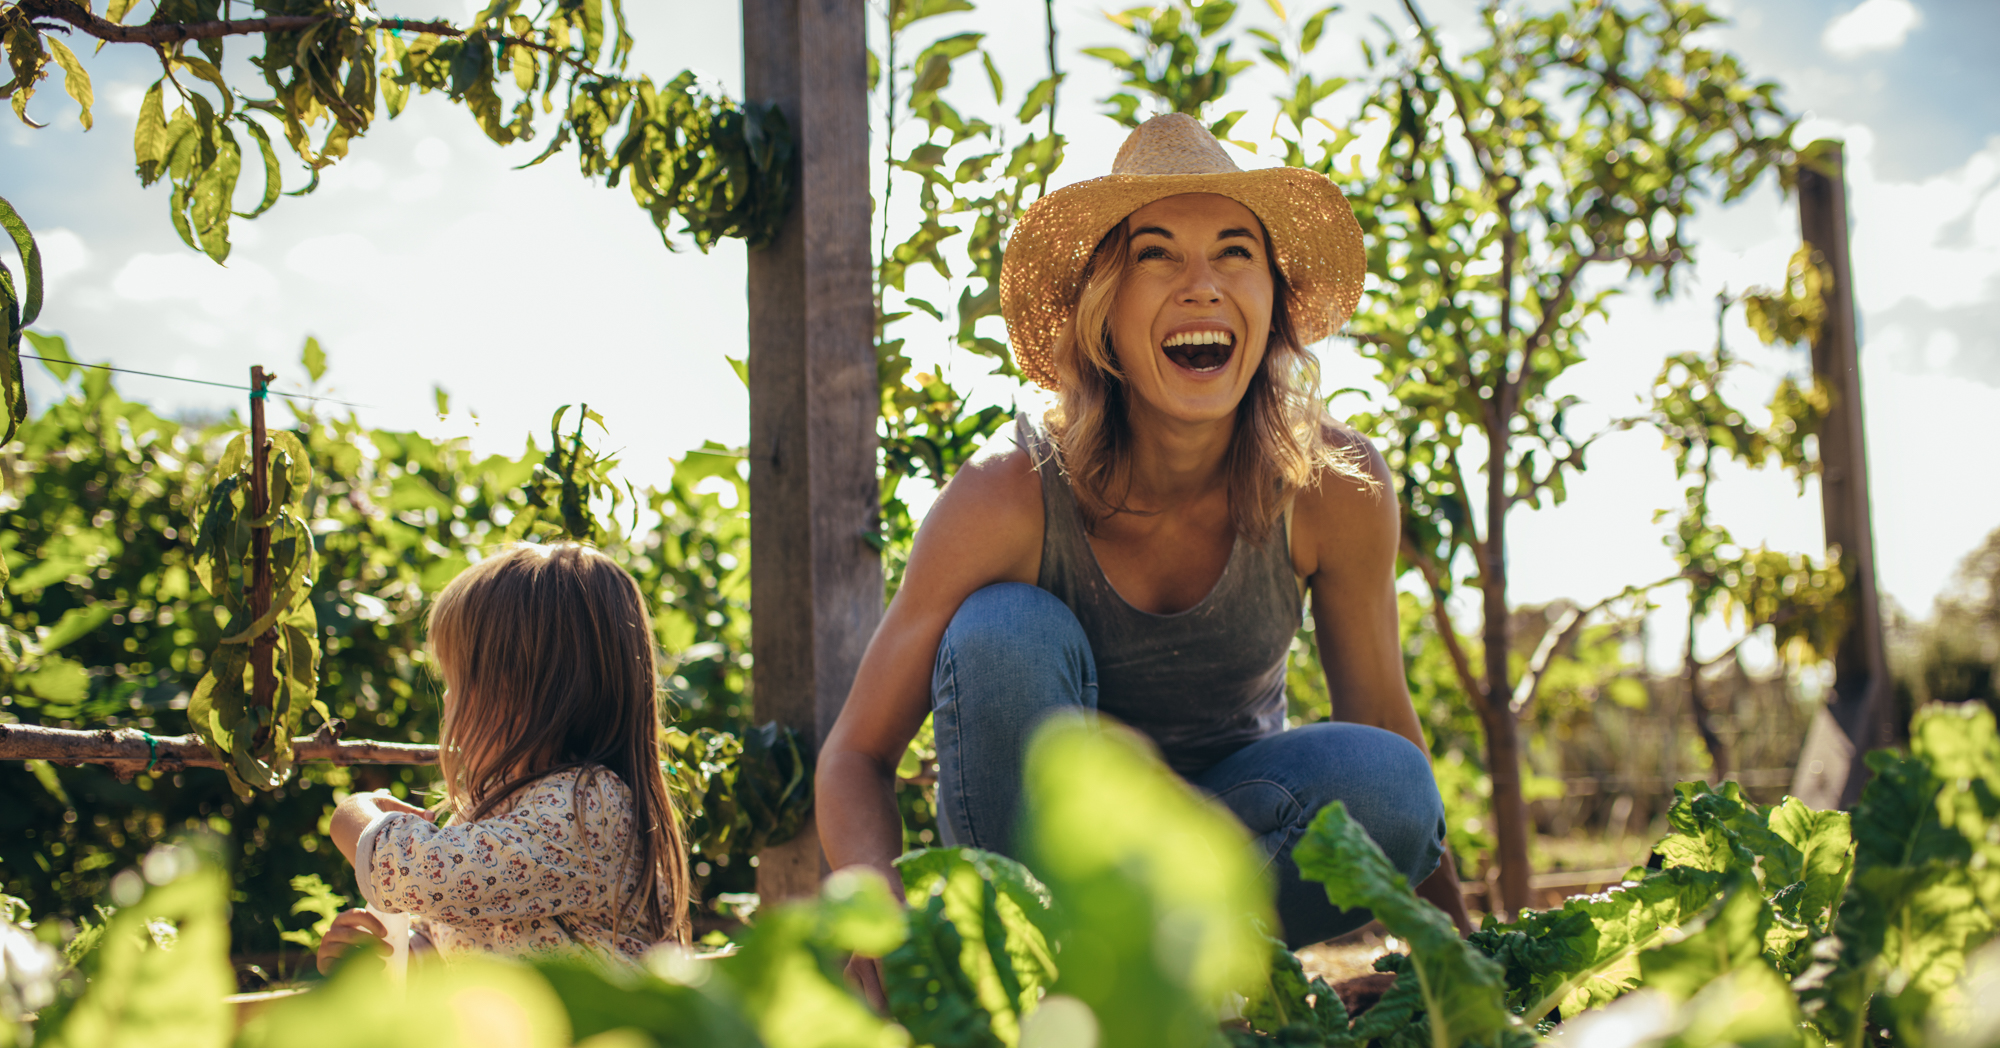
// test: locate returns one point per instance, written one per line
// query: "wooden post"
(815, 579)
(1856, 716)
(263, 683)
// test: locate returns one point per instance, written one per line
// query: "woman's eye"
(1152, 252)
(1238, 250)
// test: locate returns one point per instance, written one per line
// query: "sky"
(425, 261)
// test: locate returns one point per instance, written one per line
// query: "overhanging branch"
(160, 33)
(127, 752)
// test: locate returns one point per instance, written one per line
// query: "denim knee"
(1012, 656)
(1010, 627)
(1411, 833)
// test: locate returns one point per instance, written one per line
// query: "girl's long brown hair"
(548, 653)
(1280, 442)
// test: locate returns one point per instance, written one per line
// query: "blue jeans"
(1014, 654)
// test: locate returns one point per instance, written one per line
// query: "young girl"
(561, 834)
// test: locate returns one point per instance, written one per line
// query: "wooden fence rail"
(128, 751)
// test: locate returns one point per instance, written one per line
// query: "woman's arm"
(985, 528)
(1345, 538)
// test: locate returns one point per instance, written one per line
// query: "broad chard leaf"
(1917, 901)
(999, 914)
(1586, 953)
(1463, 989)
(1157, 908)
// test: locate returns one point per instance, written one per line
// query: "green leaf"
(314, 359)
(273, 175)
(1730, 937)
(76, 622)
(31, 263)
(149, 138)
(154, 983)
(460, 1005)
(600, 998)
(54, 351)
(75, 80)
(1158, 905)
(994, 946)
(115, 10)
(1462, 989)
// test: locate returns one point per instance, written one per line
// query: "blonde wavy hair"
(1283, 436)
(548, 654)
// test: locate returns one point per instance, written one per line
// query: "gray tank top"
(1202, 683)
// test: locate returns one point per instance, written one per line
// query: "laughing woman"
(1146, 548)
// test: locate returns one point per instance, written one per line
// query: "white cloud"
(193, 278)
(1876, 25)
(63, 253)
(338, 258)
(433, 153)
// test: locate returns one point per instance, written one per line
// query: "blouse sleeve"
(555, 851)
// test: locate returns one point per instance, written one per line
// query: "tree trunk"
(1718, 751)
(1503, 731)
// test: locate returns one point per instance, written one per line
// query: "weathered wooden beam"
(815, 579)
(1856, 717)
(126, 751)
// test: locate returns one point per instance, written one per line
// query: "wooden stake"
(264, 682)
(1856, 716)
(815, 580)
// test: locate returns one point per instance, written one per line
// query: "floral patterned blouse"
(534, 876)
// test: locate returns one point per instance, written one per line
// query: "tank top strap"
(1065, 548)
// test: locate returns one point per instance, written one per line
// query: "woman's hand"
(351, 930)
(865, 975)
(355, 813)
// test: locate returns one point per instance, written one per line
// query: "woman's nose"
(1199, 286)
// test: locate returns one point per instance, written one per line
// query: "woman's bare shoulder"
(989, 516)
(1359, 475)
(1350, 504)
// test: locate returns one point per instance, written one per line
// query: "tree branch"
(126, 752)
(1474, 686)
(1559, 632)
(158, 33)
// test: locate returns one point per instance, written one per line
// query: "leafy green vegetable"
(1463, 990)
(691, 1011)
(157, 977)
(1156, 906)
(1289, 1010)
(787, 978)
(474, 1002)
(1919, 899)
(979, 926)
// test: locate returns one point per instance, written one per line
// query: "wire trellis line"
(195, 381)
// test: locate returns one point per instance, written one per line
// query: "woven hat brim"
(1315, 242)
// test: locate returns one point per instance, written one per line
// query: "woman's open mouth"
(1200, 351)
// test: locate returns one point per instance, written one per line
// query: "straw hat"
(1314, 237)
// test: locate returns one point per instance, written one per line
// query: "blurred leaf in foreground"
(1157, 888)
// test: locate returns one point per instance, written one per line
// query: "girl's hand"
(389, 802)
(352, 929)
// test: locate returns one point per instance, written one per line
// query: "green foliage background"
(102, 492)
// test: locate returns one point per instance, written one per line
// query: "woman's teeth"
(1200, 350)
